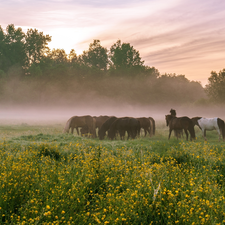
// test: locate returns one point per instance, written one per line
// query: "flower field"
(51, 178)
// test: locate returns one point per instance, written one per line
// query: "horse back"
(208, 123)
(181, 123)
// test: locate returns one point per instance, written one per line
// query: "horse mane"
(67, 127)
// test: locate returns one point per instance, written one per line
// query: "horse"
(105, 127)
(210, 124)
(80, 121)
(99, 120)
(145, 123)
(180, 123)
(152, 121)
(177, 133)
(121, 125)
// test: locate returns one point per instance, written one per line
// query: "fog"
(59, 115)
(45, 100)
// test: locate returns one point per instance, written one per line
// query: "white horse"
(210, 124)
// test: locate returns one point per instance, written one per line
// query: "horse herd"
(113, 126)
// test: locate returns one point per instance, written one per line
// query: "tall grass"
(53, 178)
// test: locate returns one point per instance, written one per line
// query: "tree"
(124, 56)
(96, 56)
(73, 56)
(12, 48)
(216, 87)
(2, 50)
(36, 45)
(58, 56)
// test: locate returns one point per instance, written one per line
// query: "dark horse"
(177, 133)
(180, 123)
(105, 127)
(121, 125)
(145, 123)
(80, 121)
(99, 120)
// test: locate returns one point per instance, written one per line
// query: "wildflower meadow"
(47, 177)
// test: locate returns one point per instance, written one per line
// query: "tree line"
(117, 73)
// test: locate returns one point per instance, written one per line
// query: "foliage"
(124, 56)
(215, 89)
(18, 48)
(36, 45)
(96, 56)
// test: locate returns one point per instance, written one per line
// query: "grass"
(47, 177)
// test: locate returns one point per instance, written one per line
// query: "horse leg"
(145, 132)
(149, 131)
(72, 128)
(170, 131)
(204, 134)
(219, 133)
(186, 134)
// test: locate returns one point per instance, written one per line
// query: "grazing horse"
(99, 120)
(145, 123)
(105, 127)
(121, 125)
(210, 124)
(80, 121)
(180, 123)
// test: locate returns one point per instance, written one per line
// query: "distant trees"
(118, 73)
(30, 52)
(216, 87)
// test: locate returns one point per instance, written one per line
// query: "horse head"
(168, 118)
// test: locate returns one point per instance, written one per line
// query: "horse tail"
(67, 127)
(153, 125)
(222, 128)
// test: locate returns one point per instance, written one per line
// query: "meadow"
(47, 177)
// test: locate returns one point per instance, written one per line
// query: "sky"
(175, 36)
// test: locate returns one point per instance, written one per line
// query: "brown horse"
(180, 123)
(177, 133)
(105, 127)
(145, 123)
(121, 125)
(80, 121)
(99, 120)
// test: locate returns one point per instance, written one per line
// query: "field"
(48, 177)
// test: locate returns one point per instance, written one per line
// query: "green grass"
(47, 177)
